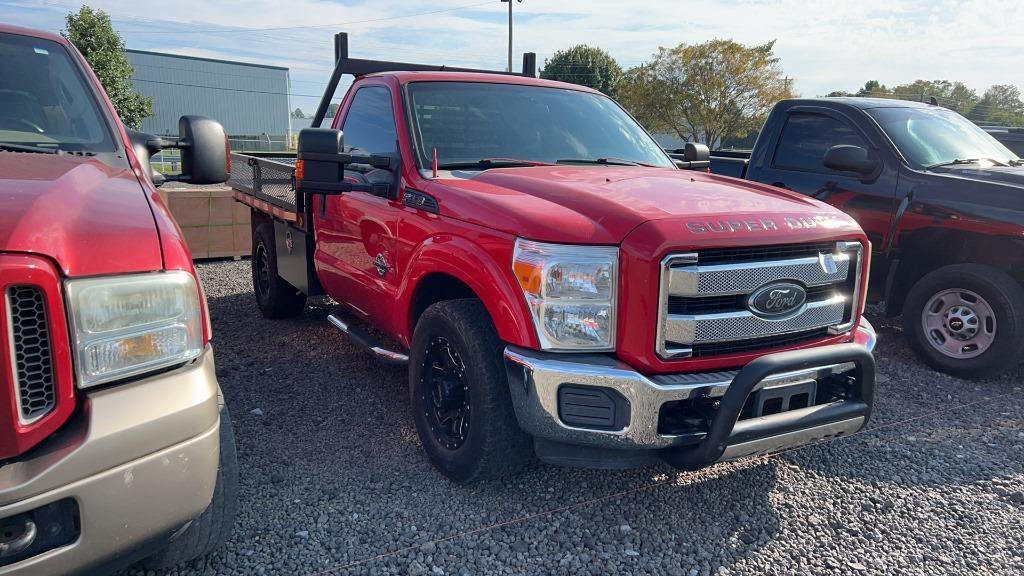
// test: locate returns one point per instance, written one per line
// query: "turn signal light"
(300, 170)
(530, 275)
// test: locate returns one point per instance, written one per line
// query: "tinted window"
(45, 100)
(807, 137)
(932, 136)
(468, 121)
(370, 123)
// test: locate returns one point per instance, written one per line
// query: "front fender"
(487, 270)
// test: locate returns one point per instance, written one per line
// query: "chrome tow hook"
(16, 537)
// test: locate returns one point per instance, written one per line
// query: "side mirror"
(695, 156)
(321, 160)
(847, 158)
(696, 152)
(204, 150)
(318, 167)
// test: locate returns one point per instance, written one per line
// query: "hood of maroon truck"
(89, 217)
(603, 204)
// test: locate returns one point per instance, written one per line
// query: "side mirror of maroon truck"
(115, 443)
(556, 286)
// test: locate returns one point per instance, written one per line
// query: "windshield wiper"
(1016, 162)
(609, 161)
(26, 148)
(958, 161)
(484, 163)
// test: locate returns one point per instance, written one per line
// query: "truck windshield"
(930, 137)
(467, 122)
(45, 103)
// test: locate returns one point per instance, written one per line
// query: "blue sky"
(823, 45)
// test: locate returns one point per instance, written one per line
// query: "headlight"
(129, 325)
(571, 292)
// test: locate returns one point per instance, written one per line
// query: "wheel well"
(258, 218)
(436, 288)
(930, 250)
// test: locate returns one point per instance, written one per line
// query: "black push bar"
(724, 428)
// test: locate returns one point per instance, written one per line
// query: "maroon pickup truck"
(115, 443)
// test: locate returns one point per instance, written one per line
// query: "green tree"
(584, 65)
(1001, 104)
(332, 110)
(714, 92)
(873, 88)
(953, 95)
(298, 113)
(94, 36)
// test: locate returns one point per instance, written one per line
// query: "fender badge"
(381, 263)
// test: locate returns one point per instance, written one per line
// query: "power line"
(228, 89)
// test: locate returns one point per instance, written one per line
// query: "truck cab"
(556, 286)
(115, 443)
(939, 199)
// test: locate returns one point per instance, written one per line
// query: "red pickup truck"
(556, 285)
(114, 440)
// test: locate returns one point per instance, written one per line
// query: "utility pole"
(510, 33)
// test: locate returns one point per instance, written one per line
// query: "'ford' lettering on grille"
(777, 299)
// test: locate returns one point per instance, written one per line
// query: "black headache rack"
(359, 67)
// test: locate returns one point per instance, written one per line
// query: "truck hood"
(602, 204)
(1012, 175)
(87, 216)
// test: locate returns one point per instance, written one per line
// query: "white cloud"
(824, 45)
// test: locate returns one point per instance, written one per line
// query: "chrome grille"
(31, 349)
(703, 305)
(744, 278)
(742, 325)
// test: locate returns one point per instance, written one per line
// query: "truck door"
(798, 164)
(356, 235)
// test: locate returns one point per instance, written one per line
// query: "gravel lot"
(334, 481)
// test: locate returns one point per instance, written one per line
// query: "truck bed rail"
(267, 183)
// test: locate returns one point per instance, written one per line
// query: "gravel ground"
(333, 480)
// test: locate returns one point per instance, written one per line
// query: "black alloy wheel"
(445, 394)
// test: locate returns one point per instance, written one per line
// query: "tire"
(214, 525)
(491, 444)
(981, 299)
(275, 296)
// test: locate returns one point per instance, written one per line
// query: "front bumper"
(638, 404)
(138, 462)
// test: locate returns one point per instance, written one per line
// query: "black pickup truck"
(942, 202)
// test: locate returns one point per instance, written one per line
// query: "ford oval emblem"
(777, 299)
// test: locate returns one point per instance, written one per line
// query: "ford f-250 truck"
(114, 441)
(941, 201)
(556, 286)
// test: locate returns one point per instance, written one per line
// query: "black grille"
(762, 253)
(755, 344)
(33, 361)
(687, 305)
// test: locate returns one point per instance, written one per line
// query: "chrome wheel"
(959, 323)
